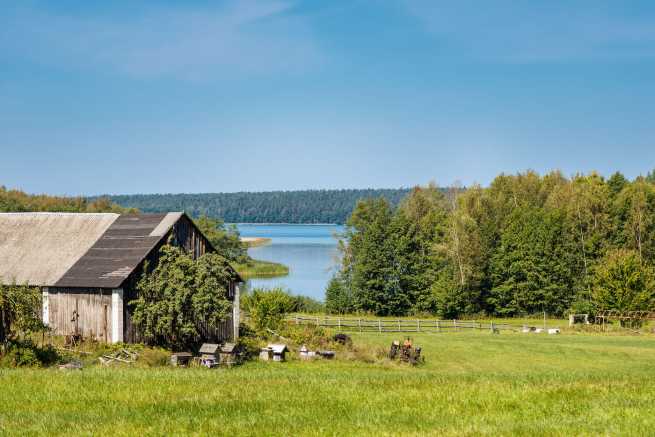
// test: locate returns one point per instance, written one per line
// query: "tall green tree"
(635, 206)
(532, 270)
(377, 268)
(338, 297)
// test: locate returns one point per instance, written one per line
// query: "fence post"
(399, 330)
(438, 325)
(360, 325)
(492, 327)
(455, 324)
(379, 325)
(317, 322)
(418, 325)
(339, 320)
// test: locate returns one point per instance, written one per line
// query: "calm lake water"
(310, 252)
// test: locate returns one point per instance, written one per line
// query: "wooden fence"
(398, 325)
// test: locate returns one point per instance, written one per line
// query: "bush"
(267, 308)
(19, 311)
(179, 295)
(311, 336)
(304, 304)
(27, 354)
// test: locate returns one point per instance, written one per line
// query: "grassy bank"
(255, 241)
(471, 384)
(261, 269)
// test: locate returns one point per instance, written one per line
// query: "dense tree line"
(309, 206)
(19, 201)
(525, 244)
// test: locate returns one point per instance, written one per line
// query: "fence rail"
(398, 325)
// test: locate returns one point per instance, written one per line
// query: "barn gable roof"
(77, 249)
(119, 251)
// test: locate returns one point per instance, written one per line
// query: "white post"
(236, 311)
(46, 306)
(117, 315)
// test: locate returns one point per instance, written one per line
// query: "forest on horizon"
(302, 206)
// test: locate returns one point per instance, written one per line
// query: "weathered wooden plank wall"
(223, 332)
(88, 309)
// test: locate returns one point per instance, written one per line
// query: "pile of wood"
(122, 356)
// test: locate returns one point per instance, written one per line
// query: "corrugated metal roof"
(117, 252)
(39, 248)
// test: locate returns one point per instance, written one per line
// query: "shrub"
(308, 335)
(267, 308)
(19, 311)
(27, 354)
(179, 295)
(304, 304)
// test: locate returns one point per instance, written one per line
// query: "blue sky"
(243, 95)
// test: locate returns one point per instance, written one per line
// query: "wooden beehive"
(279, 351)
(228, 354)
(181, 358)
(209, 354)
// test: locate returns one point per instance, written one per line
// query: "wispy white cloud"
(241, 37)
(529, 31)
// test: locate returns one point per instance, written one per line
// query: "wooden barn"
(87, 266)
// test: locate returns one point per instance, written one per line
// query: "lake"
(310, 252)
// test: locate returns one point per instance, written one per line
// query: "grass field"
(473, 383)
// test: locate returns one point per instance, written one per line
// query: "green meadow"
(473, 383)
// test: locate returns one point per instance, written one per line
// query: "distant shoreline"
(299, 224)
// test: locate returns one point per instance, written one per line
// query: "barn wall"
(92, 306)
(224, 332)
(186, 235)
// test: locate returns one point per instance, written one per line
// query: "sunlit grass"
(473, 383)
